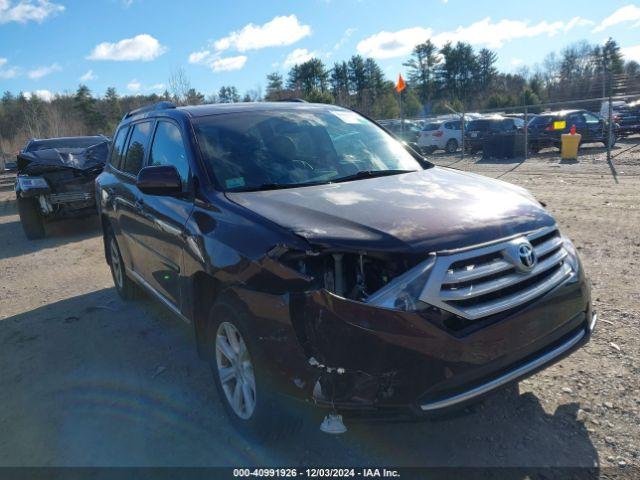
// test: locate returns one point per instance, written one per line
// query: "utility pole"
(526, 131)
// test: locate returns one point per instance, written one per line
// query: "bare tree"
(179, 85)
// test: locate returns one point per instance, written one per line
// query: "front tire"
(31, 218)
(242, 379)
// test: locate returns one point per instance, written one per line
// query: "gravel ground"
(89, 380)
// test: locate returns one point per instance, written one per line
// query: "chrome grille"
(70, 197)
(484, 281)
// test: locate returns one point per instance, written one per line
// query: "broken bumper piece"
(380, 361)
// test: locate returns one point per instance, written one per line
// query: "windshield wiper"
(272, 186)
(370, 174)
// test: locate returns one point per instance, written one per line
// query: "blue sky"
(51, 46)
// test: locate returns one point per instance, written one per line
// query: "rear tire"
(126, 288)
(31, 218)
(452, 146)
(242, 380)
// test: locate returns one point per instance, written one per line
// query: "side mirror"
(159, 180)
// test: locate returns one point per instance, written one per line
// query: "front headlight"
(31, 183)
(572, 254)
(403, 292)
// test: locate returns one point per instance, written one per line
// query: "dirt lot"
(89, 380)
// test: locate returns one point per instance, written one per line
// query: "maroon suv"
(318, 258)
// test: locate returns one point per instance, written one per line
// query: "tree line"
(454, 76)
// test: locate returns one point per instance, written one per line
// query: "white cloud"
(345, 38)
(44, 95)
(216, 62)
(393, 44)
(134, 86)
(11, 72)
(141, 47)
(228, 64)
(40, 72)
(629, 13)
(516, 61)
(155, 87)
(199, 57)
(25, 11)
(298, 56)
(484, 32)
(631, 53)
(7, 72)
(88, 76)
(280, 31)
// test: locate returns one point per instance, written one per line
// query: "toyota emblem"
(527, 256)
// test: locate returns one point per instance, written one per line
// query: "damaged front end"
(376, 341)
(61, 180)
(348, 294)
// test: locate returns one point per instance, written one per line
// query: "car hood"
(88, 158)
(430, 210)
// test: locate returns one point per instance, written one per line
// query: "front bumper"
(398, 360)
(371, 361)
(539, 362)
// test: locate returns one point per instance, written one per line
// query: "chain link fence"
(612, 121)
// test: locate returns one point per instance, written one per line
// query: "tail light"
(438, 133)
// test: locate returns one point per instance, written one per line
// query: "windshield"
(287, 148)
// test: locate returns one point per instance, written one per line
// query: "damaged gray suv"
(317, 258)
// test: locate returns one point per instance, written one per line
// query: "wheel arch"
(205, 291)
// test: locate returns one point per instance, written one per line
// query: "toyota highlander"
(318, 258)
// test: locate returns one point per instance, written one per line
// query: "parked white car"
(440, 135)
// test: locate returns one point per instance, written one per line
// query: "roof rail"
(151, 108)
(295, 100)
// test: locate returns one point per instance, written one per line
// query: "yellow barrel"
(570, 143)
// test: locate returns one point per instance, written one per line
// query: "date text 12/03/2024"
(317, 472)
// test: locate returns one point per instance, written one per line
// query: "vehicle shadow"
(13, 242)
(8, 207)
(93, 380)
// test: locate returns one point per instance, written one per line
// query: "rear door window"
(118, 147)
(574, 119)
(138, 142)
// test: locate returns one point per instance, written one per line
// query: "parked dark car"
(546, 129)
(627, 118)
(56, 180)
(318, 258)
(480, 131)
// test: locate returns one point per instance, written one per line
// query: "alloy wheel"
(235, 370)
(116, 264)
